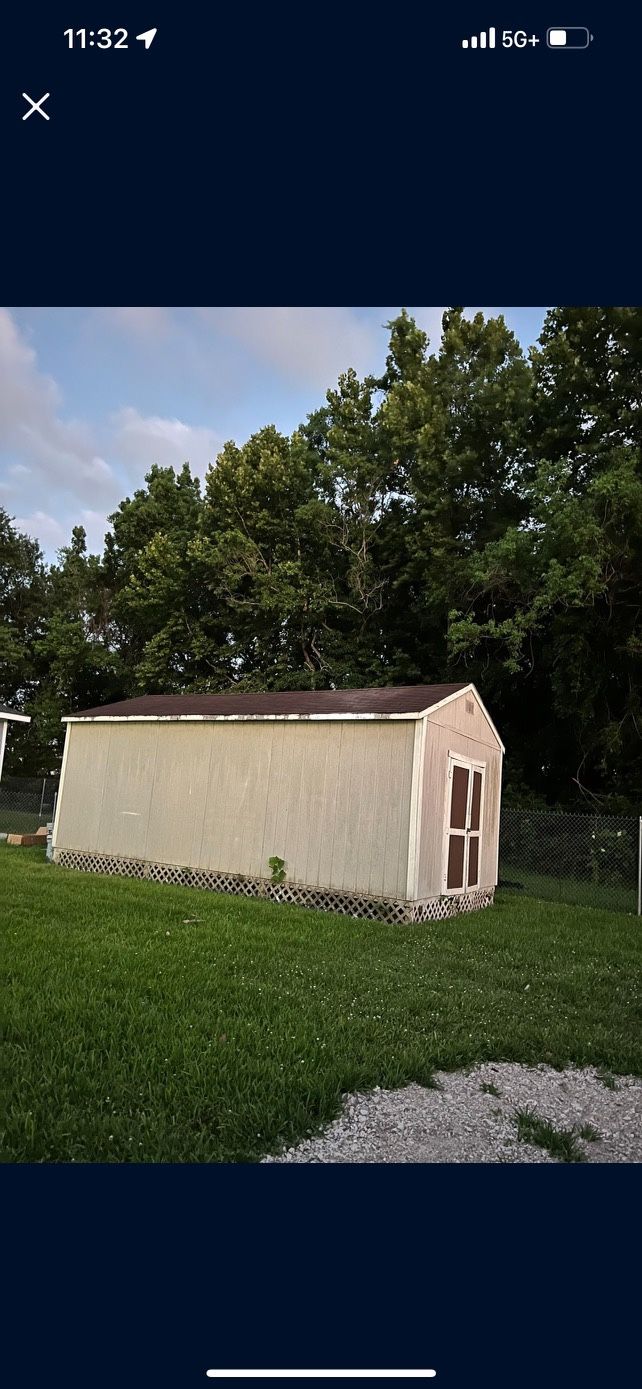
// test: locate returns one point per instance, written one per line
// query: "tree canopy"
(471, 514)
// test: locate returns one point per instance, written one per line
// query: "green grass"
(488, 1088)
(21, 821)
(608, 1081)
(560, 1143)
(576, 891)
(153, 1023)
(588, 1132)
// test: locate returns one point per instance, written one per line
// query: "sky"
(91, 398)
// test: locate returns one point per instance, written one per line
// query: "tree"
(23, 606)
(456, 422)
(588, 388)
(555, 605)
(164, 627)
(259, 555)
(23, 600)
(76, 651)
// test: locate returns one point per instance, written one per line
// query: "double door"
(464, 824)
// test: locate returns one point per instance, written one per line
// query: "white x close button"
(36, 106)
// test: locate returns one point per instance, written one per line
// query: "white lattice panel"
(323, 899)
(438, 908)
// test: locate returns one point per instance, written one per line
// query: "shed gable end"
(466, 713)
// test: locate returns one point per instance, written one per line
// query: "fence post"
(640, 866)
(42, 798)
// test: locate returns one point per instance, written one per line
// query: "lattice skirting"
(437, 908)
(322, 898)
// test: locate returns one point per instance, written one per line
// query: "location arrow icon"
(148, 37)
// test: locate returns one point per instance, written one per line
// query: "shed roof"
(383, 701)
(7, 713)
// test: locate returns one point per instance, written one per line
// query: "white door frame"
(471, 765)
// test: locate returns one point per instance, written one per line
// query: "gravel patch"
(462, 1122)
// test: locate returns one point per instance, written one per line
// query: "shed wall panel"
(181, 771)
(127, 794)
(332, 799)
(440, 741)
(78, 815)
(325, 842)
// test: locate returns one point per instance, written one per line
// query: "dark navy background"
(342, 153)
(511, 1277)
(319, 154)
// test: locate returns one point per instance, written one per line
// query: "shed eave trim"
(15, 718)
(243, 718)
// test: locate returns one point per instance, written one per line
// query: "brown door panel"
(473, 860)
(456, 846)
(459, 798)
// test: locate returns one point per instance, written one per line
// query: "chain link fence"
(26, 803)
(589, 860)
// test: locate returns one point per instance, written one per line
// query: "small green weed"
(560, 1143)
(589, 1133)
(277, 868)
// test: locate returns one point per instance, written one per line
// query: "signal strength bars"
(480, 42)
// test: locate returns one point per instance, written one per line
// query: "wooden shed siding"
(78, 814)
(456, 715)
(332, 799)
(181, 772)
(440, 741)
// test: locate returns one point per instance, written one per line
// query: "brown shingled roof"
(386, 699)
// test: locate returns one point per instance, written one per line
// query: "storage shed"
(381, 803)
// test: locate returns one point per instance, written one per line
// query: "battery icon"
(575, 37)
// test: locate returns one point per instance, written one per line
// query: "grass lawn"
(22, 821)
(583, 893)
(136, 1033)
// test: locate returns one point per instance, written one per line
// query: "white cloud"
(52, 534)
(62, 452)
(43, 528)
(141, 440)
(56, 472)
(313, 345)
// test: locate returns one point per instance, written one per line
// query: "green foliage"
(277, 868)
(468, 515)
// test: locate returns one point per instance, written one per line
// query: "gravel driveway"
(462, 1121)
